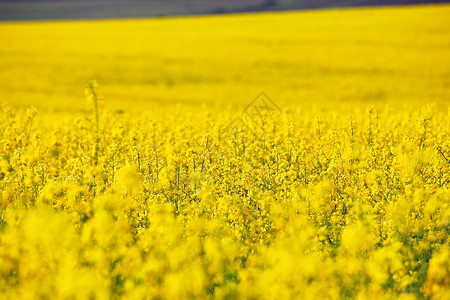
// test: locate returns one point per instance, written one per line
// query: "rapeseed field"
(295, 155)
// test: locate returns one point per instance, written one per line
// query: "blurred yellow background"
(379, 55)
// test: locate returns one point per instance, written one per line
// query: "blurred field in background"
(385, 55)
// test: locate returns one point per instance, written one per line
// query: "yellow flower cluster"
(169, 189)
(303, 204)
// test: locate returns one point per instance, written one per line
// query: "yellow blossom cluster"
(301, 204)
(172, 187)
